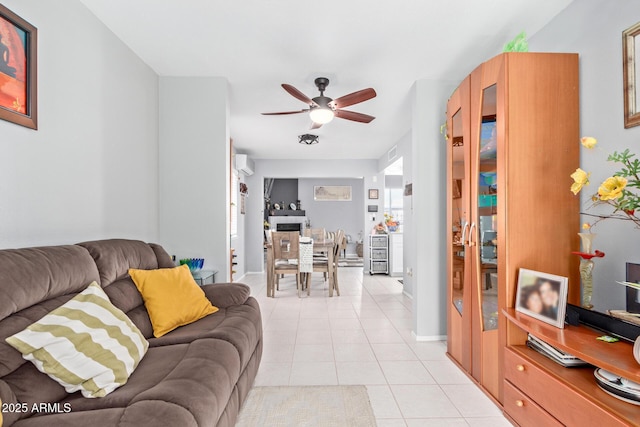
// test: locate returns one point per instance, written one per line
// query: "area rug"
(309, 406)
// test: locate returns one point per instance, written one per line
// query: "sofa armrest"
(224, 295)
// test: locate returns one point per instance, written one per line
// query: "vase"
(586, 269)
(586, 275)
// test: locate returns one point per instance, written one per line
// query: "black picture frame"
(373, 194)
(633, 298)
(18, 70)
(372, 208)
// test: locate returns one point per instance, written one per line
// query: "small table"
(201, 276)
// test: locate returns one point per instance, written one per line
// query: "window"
(393, 203)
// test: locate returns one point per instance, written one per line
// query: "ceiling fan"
(323, 109)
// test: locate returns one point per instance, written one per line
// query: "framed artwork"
(633, 295)
(242, 203)
(542, 296)
(18, 70)
(373, 194)
(332, 193)
(408, 190)
(631, 79)
(372, 208)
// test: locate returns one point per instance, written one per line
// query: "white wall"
(335, 215)
(292, 169)
(91, 170)
(593, 28)
(428, 219)
(237, 242)
(194, 170)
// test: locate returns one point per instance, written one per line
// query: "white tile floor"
(364, 337)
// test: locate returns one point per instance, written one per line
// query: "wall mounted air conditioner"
(244, 164)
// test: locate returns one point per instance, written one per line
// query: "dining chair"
(340, 243)
(286, 255)
(320, 265)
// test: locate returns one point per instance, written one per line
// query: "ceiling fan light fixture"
(321, 115)
(308, 139)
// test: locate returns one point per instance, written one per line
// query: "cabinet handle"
(520, 368)
(519, 403)
(471, 242)
(464, 233)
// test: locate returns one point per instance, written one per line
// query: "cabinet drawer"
(553, 394)
(524, 411)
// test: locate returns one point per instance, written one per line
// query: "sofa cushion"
(240, 325)
(87, 344)
(172, 297)
(198, 377)
(30, 276)
(227, 294)
(115, 257)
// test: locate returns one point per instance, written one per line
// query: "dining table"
(325, 246)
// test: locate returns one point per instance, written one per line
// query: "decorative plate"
(276, 206)
(292, 206)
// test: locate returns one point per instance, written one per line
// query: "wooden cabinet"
(512, 141)
(567, 396)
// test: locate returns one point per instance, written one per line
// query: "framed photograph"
(542, 296)
(373, 194)
(18, 70)
(332, 193)
(408, 190)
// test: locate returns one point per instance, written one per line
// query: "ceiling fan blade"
(285, 112)
(354, 98)
(353, 116)
(315, 125)
(297, 94)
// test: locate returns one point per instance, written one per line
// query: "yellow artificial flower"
(612, 188)
(586, 226)
(580, 178)
(588, 141)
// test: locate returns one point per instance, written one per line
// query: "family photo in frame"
(542, 296)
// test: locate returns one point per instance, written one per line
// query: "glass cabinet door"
(486, 222)
(459, 215)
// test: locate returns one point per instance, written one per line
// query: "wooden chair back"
(340, 242)
(286, 245)
(315, 233)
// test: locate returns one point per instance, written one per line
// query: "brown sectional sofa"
(196, 375)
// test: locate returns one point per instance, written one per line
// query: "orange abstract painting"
(13, 67)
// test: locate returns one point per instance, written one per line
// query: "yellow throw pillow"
(172, 297)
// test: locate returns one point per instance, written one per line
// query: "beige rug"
(310, 406)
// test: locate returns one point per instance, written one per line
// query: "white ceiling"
(259, 44)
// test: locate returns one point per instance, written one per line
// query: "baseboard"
(428, 338)
(239, 279)
(408, 295)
